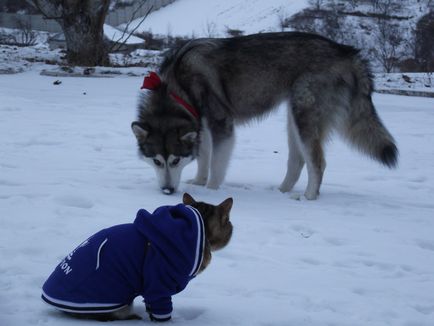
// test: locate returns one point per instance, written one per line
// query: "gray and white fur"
(231, 81)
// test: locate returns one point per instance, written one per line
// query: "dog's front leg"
(204, 156)
(222, 145)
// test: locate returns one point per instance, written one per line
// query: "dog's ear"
(140, 131)
(189, 137)
(187, 199)
(225, 208)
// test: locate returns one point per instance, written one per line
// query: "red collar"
(153, 82)
(186, 106)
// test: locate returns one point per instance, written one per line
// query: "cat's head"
(218, 227)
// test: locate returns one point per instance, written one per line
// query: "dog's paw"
(311, 195)
(285, 188)
(197, 181)
(212, 186)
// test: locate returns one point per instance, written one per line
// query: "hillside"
(385, 30)
(213, 17)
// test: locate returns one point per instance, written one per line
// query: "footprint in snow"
(359, 291)
(10, 109)
(239, 185)
(419, 179)
(189, 313)
(426, 310)
(310, 261)
(425, 244)
(9, 183)
(378, 265)
(74, 201)
(335, 241)
(304, 231)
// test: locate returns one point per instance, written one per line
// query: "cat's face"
(218, 227)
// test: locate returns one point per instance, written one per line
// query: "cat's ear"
(187, 199)
(225, 208)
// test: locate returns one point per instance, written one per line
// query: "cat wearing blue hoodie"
(154, 257)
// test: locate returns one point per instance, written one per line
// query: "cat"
(155, 257)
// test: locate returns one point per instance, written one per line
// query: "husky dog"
(207, 86)
(155, 257)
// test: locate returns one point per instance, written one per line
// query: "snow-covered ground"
(39, 57)
(419, 82)
(362, 254)
(213, 17)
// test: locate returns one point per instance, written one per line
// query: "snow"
(213, 17)
(17, 59)
(421, 82)
(362, 254)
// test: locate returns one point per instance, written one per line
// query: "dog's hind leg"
(311, 127)
(204, 156)
(315, 164)
(295, 156)
(223, 141)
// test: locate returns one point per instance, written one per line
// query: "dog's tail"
(363, 127)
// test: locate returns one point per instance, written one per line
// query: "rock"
(406, 78)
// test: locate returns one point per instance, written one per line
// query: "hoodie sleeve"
(158, 287)
(159, 309)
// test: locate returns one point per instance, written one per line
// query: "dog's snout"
(168, 190)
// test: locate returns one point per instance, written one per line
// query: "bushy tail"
(364, 128)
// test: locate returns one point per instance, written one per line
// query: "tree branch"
(48, 9)
(116, 46)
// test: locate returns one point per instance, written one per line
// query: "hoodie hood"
(177, 234)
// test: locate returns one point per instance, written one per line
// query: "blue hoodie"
(155, 257)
